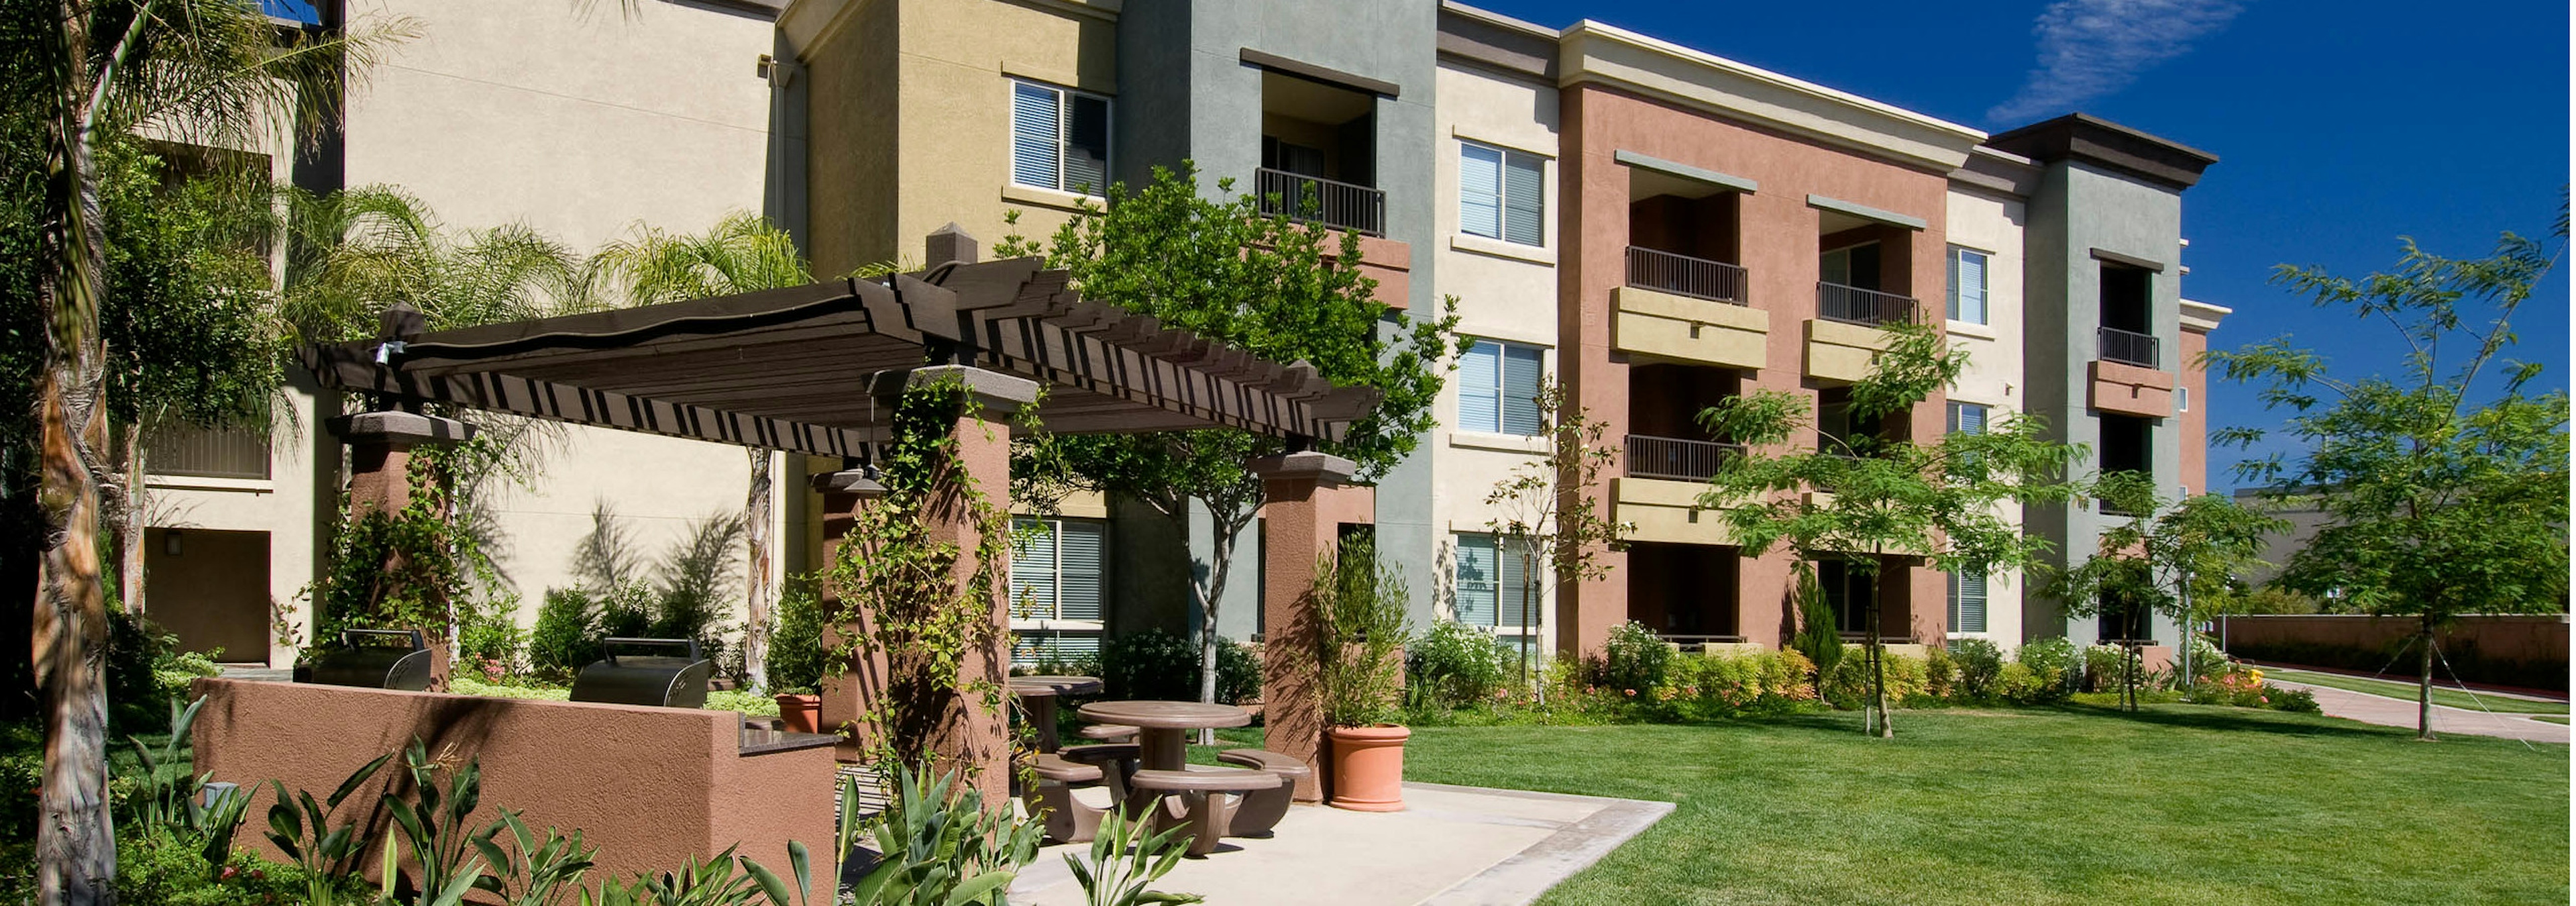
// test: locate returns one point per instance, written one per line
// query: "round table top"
(1165, 715)
(1046, 686)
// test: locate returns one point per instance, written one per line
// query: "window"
(1847, 591)
(1493, 589)
(1059, 139)
(1968, 602)
(1967, 418)
(2182, 399)
(1502, 194)
(1856, 266)
(1058, 586)
(1967, 285)
(1498, 388)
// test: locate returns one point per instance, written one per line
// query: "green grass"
(2551, 719)
(2175, 804)
(2407, 690)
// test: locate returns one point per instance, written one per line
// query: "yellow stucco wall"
(1684, 329)
(1842, 352)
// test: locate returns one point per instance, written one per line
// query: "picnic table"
(1039, 694)
(1160, 726)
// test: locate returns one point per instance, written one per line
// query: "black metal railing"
(1716, 281)
(1339, 205)
(1676, 458)
(1866, 307)
(2126, 346)
(206, 453)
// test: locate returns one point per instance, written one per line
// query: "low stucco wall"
(650, 787)
(2528, 651)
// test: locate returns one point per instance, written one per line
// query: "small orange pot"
(801, 713)
(1368, 767)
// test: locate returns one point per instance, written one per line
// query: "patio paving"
(1451, 846)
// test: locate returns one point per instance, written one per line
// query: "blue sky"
(2338, 127)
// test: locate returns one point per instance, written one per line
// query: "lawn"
(2407, 690)
(2176, 804)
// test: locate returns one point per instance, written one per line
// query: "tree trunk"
(75, 842)
(1878, 663)
(1222, 550)
(755, 533)
(129, 535)
(2424, 686)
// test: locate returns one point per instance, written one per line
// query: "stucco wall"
(1992, 222)
(1779, 251)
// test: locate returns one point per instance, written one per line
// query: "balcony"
(2128, 347)
(207, 453)
(1314, 199)
(1675, 458)
(1865, 307)
(1698, 278)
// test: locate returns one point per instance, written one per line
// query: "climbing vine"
(900, 595)
(412, 569)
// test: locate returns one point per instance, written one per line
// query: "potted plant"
(1360, 628)
(795, 658)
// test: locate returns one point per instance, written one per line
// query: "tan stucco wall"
(2131, 390)
(1505, 292)
(2195, 413)
(1780, 239)
(282, 506)
(1688, 330)
(1992, 223)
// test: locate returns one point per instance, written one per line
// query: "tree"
(1864, 496)
(2442, 495)
(1267, 285)
(743, 253)
(87, 75)
(2175, 557)
(1549, 517)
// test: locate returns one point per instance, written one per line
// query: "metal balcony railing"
(2133, 348)
(206, 453)
(1339, 205)
(1716, 281)
(1866, 307)
(1675, 458)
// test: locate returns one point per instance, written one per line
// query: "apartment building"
(496, 112)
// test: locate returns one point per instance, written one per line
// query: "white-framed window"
(1968, 283)
(1968, 602)
(1498, 388)
(1493, 590)
(1968, 418)
(1059, 138)
(2182, 399)
(1059, 588)
(1502, 194)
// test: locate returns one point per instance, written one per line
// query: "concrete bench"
(1110, 732)
(1068, 819)
(1262, 809)
(1204, 800)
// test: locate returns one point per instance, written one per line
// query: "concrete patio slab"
(1451, 846)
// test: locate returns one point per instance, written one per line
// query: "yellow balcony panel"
(1842, 352)
(1684, 329)
(1667, 511)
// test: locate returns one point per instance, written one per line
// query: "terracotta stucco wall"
(2194, 414)
(1780, 235)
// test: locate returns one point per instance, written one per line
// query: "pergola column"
(970, 735)
(380, 447)
(1297, 528)
(848, 696)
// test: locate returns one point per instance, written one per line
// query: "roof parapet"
(2094, 140)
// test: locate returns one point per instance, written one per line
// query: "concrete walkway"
(1451, 846)
(2391, 712)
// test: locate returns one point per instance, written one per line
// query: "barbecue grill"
(660, 680)
(372, 659)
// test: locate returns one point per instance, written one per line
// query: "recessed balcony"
(1314, 199)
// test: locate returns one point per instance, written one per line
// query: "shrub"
(1158, 665)
(2102, 666)
(159, 867)
(1940, 674)
(1981, 665)
(795, 659)
(489, 636)
(1454, 665)
(1699, 688)
(2049, 657)
(145, 671)
(1360, 630)
(2016, 682)
(2298, 700)
(566, 636)
(1633, 659)
(1848, 687)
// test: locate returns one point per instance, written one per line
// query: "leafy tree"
(1865, 497)
(2441, 497)
(1267, 285)
(2177, 558)
(1549, 517)
(81, 78)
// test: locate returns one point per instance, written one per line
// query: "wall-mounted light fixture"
(170, 543)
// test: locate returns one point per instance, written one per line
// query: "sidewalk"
(2391, 712)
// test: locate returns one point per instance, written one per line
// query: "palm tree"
(743, 253)
(213, 73)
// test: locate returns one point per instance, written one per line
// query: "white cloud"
(2091, 48)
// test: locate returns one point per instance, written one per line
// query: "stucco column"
(970, 734)
(1297, 527)
(847, 696)
(380, 447)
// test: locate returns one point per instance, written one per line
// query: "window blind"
(1524, 200)
(1081, 556)
(1035, 155)
(1521, 366)
(1968, 602)
(1968, 286)
(1480, 383)
(1967, 418)
(1509, 592)
(1033, 569)
(1480, 191)
(1086, 139)
(1478, 578)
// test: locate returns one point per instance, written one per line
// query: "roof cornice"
(1592, 52)
(2097, 141)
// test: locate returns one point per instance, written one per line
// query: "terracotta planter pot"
(801, 713)
(1368, 767)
